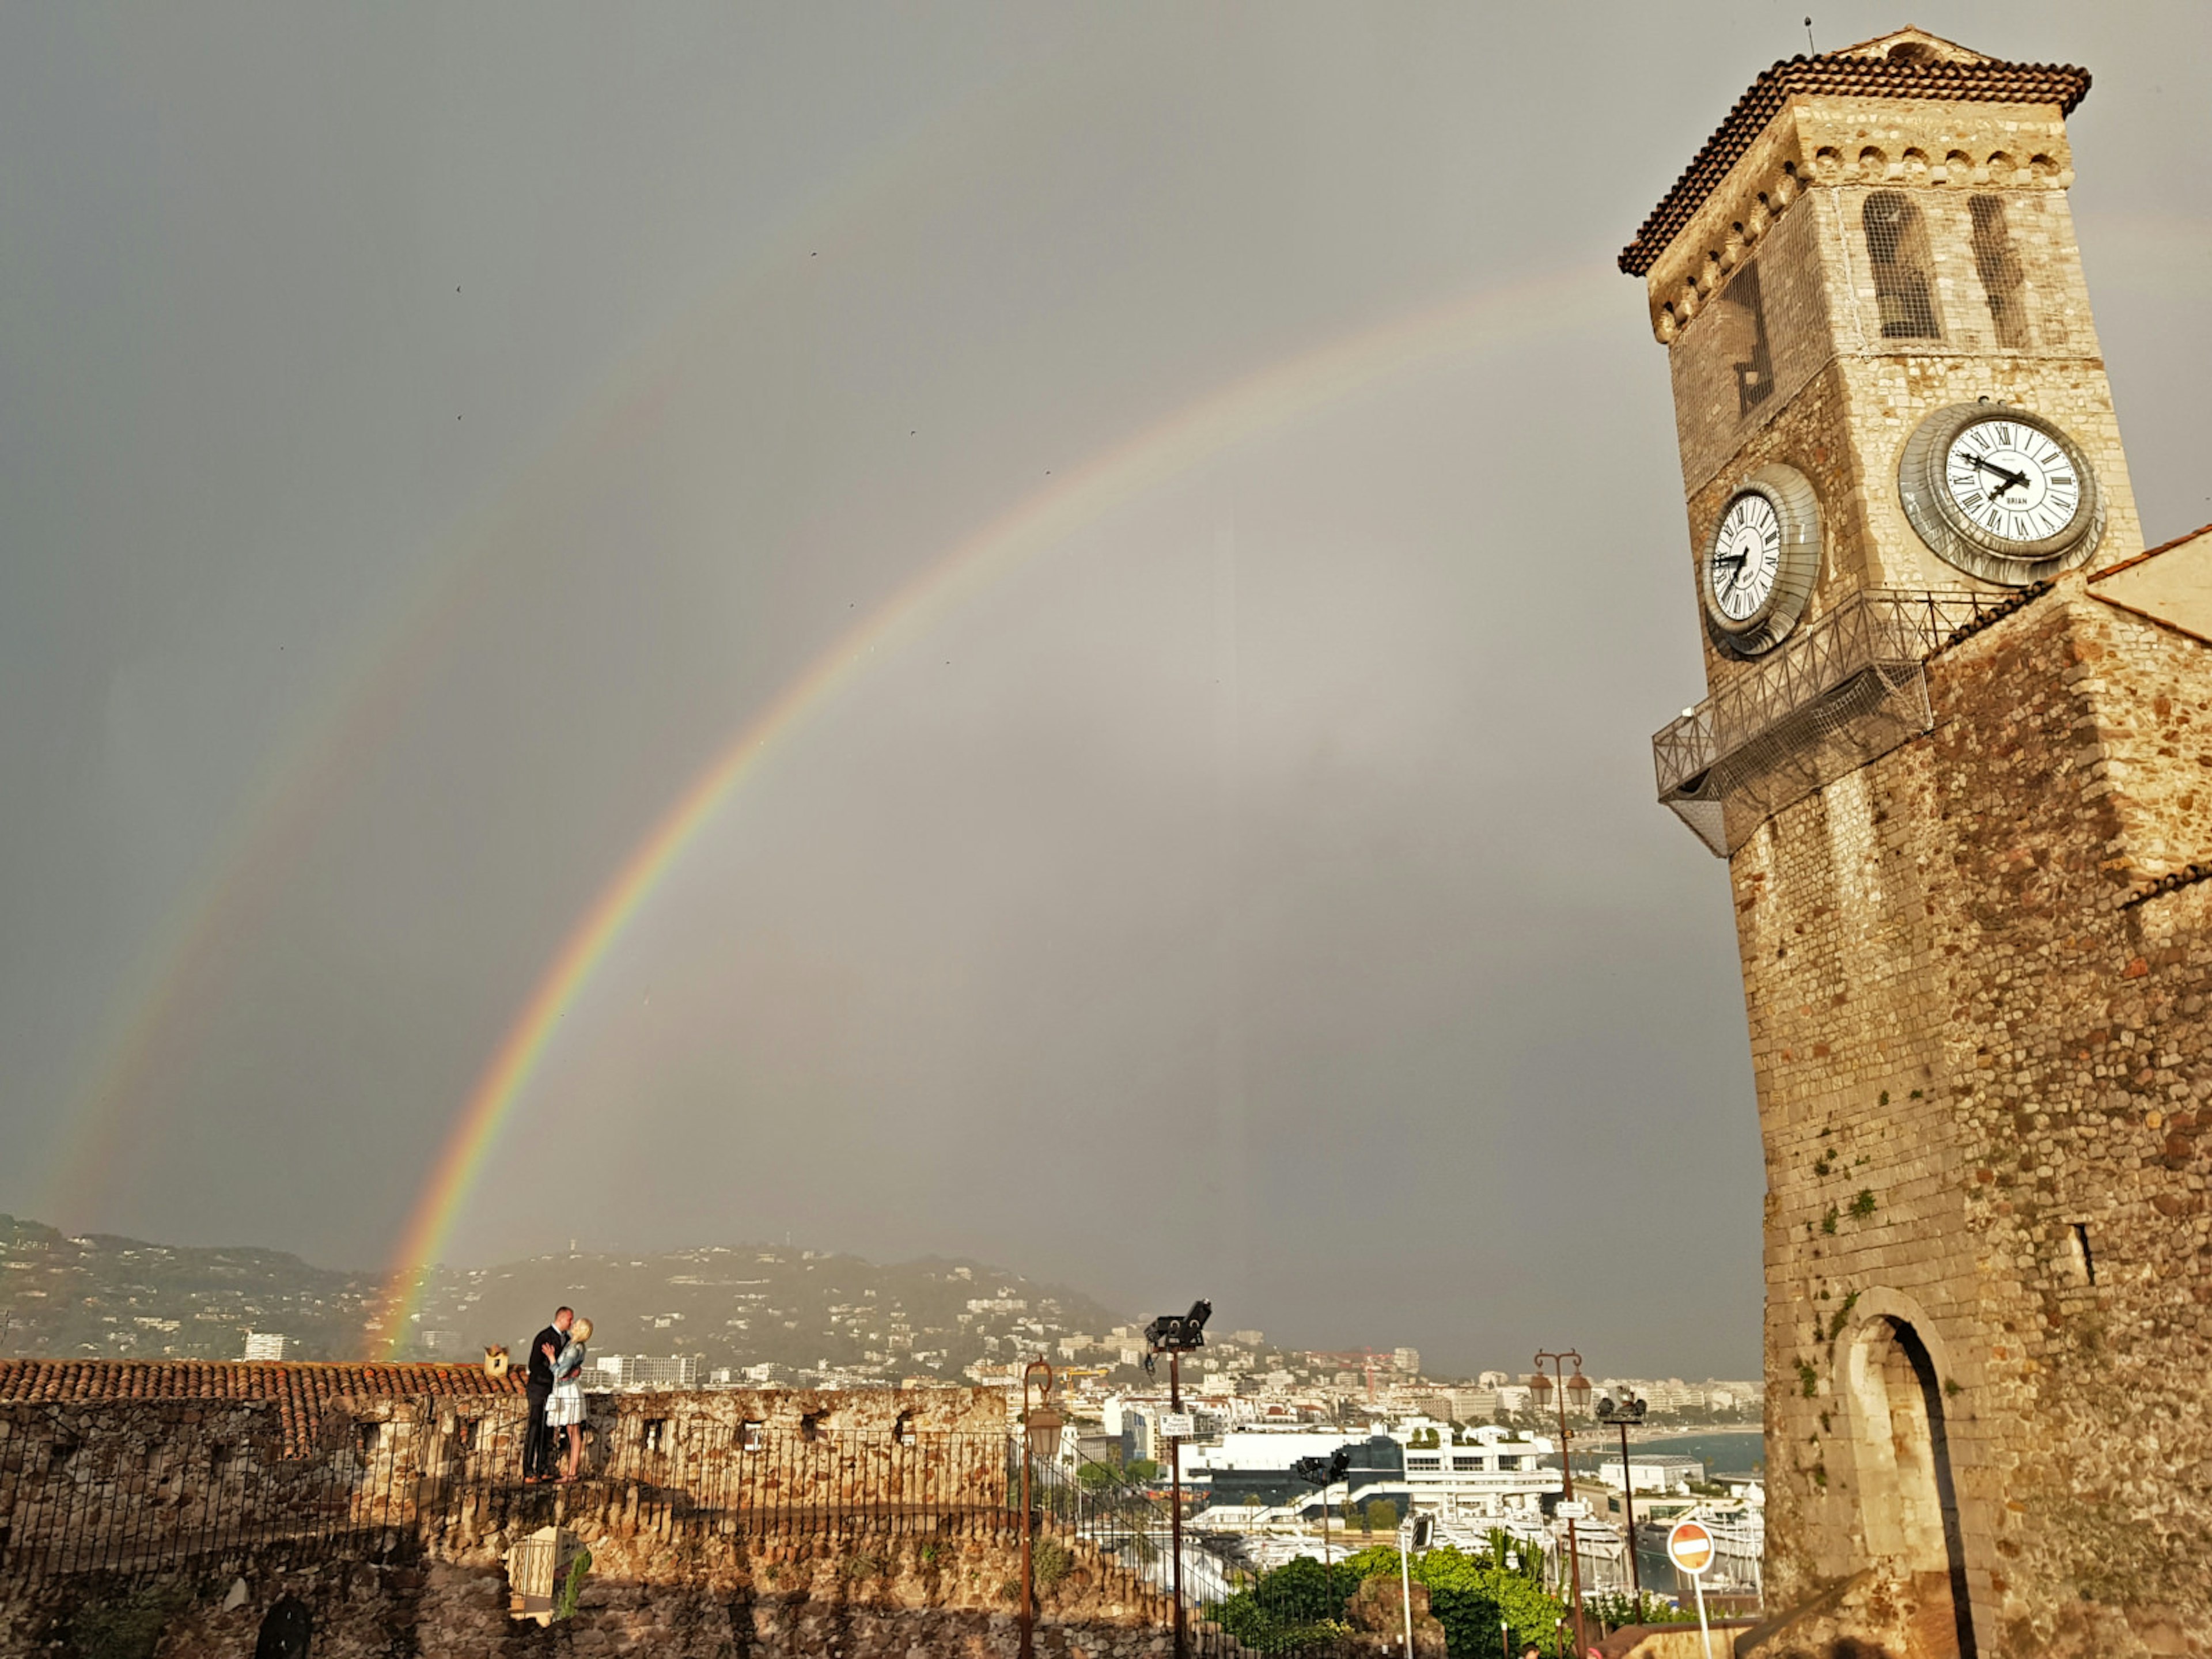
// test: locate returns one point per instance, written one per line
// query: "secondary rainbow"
(1499, 317)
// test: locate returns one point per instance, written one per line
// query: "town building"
(1651, 1472)
(638, 1371)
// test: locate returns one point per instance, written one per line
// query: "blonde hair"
(581, 1330)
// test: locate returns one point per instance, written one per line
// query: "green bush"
(130, 1626)
(1301, 1601)
(1050, 1561)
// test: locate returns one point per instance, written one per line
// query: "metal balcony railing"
(1850, 687)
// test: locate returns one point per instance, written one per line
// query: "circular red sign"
(1690, 1547)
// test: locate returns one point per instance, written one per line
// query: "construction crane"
(1362, 1358)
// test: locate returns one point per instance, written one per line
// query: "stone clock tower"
(1957, 751)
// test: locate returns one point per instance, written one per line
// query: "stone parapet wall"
(141, 1485)
(855, 1596)
(720, 1523)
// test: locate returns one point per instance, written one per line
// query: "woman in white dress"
(566, 1408)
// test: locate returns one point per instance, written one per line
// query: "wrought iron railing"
(1850, 687)
(74, 1505)
(75, 1499)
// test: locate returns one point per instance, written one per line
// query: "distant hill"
(122, 1298)
(753, 1305)
(732, 1307)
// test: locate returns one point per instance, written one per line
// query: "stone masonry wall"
(722, 1523)
(856, 1595)
(1982, 1074)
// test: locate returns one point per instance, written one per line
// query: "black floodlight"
(1180, 1333)
(1626, 1410)
(1324, 1471)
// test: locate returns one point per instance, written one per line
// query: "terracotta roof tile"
(1842, 75)
(302, 1391)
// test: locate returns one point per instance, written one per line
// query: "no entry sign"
(1690, 1548)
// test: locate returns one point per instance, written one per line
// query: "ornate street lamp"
(1040, 1427)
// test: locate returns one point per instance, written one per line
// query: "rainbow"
(1497, 318)
(178, 974)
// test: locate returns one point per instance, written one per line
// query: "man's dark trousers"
(538, 1440)
(537, 1445)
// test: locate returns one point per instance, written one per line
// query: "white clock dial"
(2013, 481)
(1746, 557)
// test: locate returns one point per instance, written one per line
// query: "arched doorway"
(1908, 1506)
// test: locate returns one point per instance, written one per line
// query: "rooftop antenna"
(1813, 50)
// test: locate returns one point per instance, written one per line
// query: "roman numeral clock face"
(2003, 494)
(1757, 566)
(2013, 481)
(1746, 557)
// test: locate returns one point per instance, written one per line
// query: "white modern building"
(1461, 1472)
(638, 1371)
(1650, 1472)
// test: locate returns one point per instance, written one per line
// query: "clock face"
(2012, 480)
(2000, 493)
(1746, 557)
(1756, 573)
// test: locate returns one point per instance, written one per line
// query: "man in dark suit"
(538, 1440)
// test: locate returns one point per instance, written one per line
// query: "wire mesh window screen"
(1754, 373)
(1903, 270)
(2004, 279)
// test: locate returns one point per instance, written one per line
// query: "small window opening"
(2082, 1248)
(656, 1434)
(809, 1426)
(364, 1436)
(2004, 279)
(902, 1430)
(1904, 270)
(1754, 373)
(750, 1437)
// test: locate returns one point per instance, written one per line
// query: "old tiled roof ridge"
(2182, 540)
(1841, 74)
(300, 1389)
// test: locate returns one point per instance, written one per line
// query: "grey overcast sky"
(429, 434)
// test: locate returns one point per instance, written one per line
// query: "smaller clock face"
(1746, 557)
(2011, 481)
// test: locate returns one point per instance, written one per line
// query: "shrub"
(572, 1587)
(130, 1626)
(1050, 1561)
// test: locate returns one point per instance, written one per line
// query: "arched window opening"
(1904, 270)
(2004, 279)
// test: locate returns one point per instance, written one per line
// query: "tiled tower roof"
(1908, 64)
(302, 1391)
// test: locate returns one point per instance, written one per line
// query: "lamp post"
(1176, 1335)
(1579, 1386)
(1041, 1426)
(1626, 1414)
(1324, 1472)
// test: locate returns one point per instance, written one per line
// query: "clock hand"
(2010, 478)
